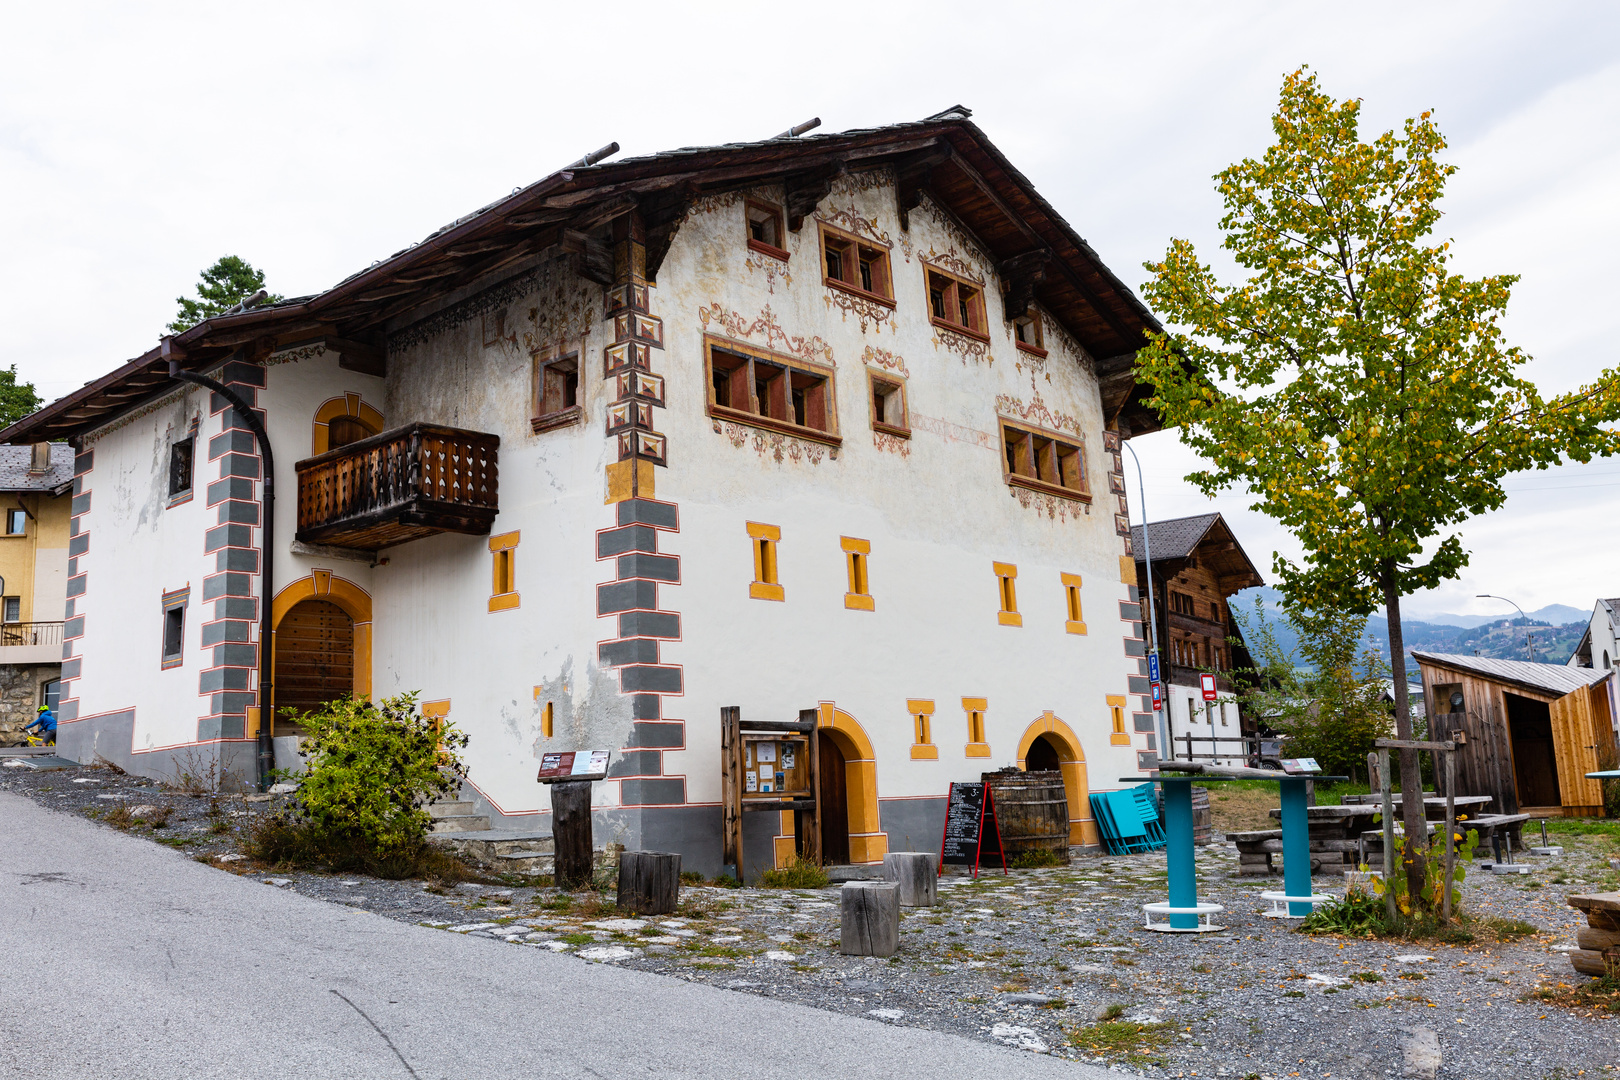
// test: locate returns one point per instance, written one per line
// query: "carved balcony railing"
(407, 483)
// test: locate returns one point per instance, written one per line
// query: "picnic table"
(1337, 832)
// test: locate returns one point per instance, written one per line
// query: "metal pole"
(266, 748)
(1153, 620)
(1529, 649)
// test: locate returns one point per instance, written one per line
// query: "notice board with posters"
(972, 834)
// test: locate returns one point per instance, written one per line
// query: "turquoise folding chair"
(1128, 824)
(1148, 808)
(1108, 824)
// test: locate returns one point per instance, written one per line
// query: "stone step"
(492, 845)
(460, 823)
(452, 808)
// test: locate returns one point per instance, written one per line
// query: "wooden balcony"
(402, 485)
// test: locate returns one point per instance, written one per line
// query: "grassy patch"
(175, 841)
(800, 874)
(1035, 860)
(577, 939)
(1366, 976)
(1584, 827)
(1121, 1038)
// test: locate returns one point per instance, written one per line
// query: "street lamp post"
(1153, 622)
(1529, 646)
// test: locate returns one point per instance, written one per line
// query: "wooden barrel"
(1033, 811)
(1203, 824)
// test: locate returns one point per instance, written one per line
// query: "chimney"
(41, 462)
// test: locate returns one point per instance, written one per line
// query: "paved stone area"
(1033, 959)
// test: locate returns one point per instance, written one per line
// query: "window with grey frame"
(180, 466)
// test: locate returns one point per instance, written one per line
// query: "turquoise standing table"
(1183, 914)
(1295, 901)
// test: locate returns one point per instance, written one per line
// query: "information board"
(573, 765)
(1300, 765)
(1208, 682)
(972, 834)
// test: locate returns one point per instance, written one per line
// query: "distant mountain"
(1552, 614)
(1554, 630)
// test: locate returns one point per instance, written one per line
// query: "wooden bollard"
(915, 874)
(869, 918)
(649, 882)
(571, 833)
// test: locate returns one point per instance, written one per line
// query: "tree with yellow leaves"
(1358, 389)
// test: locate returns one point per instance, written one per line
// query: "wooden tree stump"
(649, 882)
(869, 918)
(916, 875)
(571, 832)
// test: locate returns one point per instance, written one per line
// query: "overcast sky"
(139, 142)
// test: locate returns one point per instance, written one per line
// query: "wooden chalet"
(1527, 733)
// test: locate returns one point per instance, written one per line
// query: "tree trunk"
(1412, 816)
(649, 882)
(571, 832)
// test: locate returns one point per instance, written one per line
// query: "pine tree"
(224, 285)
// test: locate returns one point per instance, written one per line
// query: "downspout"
(266, 748)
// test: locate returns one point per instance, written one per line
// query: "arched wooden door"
(314, 658)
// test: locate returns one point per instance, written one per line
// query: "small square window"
(765, 233)
(889, 405)
(13, 612)
(1027, 332)
(556, 392)
(16, 522)
(180, 455)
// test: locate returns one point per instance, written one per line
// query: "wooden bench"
(1487, 824)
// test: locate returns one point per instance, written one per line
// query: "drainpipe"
(266, 748)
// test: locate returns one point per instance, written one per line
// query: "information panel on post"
(560, 765)
(1207, 681)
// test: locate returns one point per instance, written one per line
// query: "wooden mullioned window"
(764, 539)
(1007, 587)
(1044, 461)
(855, 265)
(977, 745)
(956, 303)
(770, 390)
(922, 722)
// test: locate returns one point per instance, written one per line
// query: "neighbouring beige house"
(35, 483)
(826, 424)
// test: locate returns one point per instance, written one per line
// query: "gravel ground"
(1034, 959)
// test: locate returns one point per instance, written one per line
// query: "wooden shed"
(1528, 733)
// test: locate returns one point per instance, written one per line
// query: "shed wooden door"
(834, 808)
(1535, 764)
(314, 660)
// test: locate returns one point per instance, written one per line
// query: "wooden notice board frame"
(740, 743)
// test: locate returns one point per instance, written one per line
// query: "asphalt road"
(122, 958)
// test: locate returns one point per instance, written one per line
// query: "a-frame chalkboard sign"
(972, 834)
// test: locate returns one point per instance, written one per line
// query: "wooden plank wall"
(1485, 761)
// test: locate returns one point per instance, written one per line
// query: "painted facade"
(945, 578)
(34, 502)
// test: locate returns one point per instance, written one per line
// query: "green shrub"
(1357, 913)
(361, 805)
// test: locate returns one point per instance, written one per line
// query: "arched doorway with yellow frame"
(1047, 743)
(320, 642)
(851, 825)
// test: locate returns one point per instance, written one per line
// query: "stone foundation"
(19, 698)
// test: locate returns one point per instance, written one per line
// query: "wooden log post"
(869, 918)
(916, 875)
(649, 882)
(571, 832)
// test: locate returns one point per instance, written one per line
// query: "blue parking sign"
(1153, 667)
